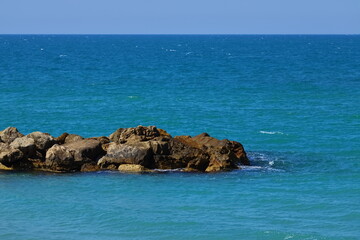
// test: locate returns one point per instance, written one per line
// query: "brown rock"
(180, 156)
(222, 150)
(61, 139)
(90, 167)
(10, 134)
(137, 134)
(102, 139)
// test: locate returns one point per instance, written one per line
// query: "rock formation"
(138, 149)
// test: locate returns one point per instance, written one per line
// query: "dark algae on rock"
(137, 149)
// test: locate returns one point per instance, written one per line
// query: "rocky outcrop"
(223, 154)
(127, 149)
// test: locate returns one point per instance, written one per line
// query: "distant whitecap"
(271, 133)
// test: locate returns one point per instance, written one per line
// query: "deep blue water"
(293, 101)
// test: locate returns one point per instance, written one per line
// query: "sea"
(293, 101)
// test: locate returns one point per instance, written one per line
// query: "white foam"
(271, 133)
(260, 168)
(133, 97)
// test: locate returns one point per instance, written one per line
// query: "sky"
(179, 16)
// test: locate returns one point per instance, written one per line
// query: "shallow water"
(291, 100)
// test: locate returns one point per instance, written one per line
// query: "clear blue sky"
(180, 16)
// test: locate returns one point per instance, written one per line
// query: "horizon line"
(239, 34)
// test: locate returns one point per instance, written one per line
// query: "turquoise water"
(293, 101)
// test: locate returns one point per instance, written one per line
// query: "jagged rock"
(137, 134)
(179, 156)
(224, 154)
(136, 153)
(9, 156)
(71, 156)
(224, 146)
(25, 145)
(221, 162)
(9, 134)
(131, 168)
(43, 141)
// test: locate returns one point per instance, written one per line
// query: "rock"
(198, 164)
(90, 167)
(10, 134)
(70, 138)
(137, 134)
(224, 154)
(60, 158)
(223, 146)
(137, 153)
(103, 140)
(221, 162)
(25, 145)
(61, 139)
(72, 156)
(3, 167)
(9, 156)
(160, 147)
(180, 156)
(43, 141)
(141, 147)
(239, 151)
(131, 168)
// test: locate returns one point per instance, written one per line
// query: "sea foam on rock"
(134, 149)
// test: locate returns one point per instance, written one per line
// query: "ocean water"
(293, 101)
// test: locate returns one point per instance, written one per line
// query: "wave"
(264, 161)
(272, 133)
